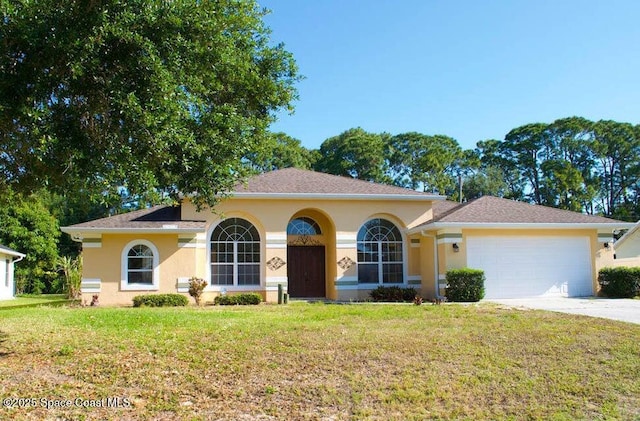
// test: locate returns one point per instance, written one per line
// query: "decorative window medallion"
(275, 263)
(345, 263)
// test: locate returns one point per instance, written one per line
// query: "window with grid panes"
(380, 253)
(140, 265)
(235, 253)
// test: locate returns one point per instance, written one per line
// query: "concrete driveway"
(625, 310)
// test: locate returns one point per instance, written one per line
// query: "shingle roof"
(280, 182)
(442, 206)
(298, 181)
(155, 217)
(489, 209)
(485, 210)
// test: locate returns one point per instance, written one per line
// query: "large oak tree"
(158, 97)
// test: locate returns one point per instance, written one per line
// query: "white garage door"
(518, 267)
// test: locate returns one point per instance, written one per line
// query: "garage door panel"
(532, 266)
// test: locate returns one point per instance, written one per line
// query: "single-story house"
(324, 236)
(7, 284)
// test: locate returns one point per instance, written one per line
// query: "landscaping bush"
(239, 299)
(620, 282)
(394, 294)
(160, 300)
(465, 285)
(196, 288)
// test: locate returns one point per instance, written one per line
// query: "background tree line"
(571, 163)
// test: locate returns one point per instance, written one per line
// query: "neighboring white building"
(7, 258)
(627, 249)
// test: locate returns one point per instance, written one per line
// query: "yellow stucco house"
(323, 236)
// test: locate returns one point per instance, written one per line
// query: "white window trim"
(235, 287)
(124, 264)
(405, 265)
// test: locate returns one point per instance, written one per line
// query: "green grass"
(34, 301)
(314, 361)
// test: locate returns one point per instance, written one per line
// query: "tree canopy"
(355, 153)
(425, 162)
(158, 97)
(27, 225)
(278, 151)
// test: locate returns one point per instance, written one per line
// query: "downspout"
(436, 263)
(13, 272)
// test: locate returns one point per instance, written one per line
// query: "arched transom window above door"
(304, 231)
(303, 226)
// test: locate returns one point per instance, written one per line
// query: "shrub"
(620, 282)
(160, 300)
(394, 294)
(250, 298)
(196, 287)
(71, 269)
(465, 285)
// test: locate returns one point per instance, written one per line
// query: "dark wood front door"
(305, 270)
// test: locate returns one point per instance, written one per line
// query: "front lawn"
(313, 361)
(34, 301)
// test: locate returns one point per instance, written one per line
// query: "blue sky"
(472, 70)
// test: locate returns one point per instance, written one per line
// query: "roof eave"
(522, 225)
(170, 229)
(12, 253)
(336, 196)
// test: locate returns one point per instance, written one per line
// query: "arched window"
(140, 269)
(140, 265)
(303, 226)
(380, 253)
(235, 253)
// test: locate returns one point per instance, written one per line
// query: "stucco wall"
(105, 264)
(428, 268)
(630, 249)
(605, 258)
(345, 214)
